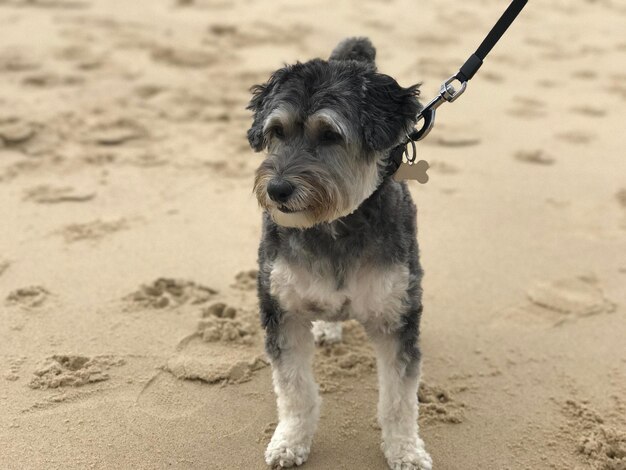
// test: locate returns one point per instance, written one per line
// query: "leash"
(448, 94)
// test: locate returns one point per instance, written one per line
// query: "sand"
(129, 334)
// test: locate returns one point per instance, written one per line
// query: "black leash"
(447, 92)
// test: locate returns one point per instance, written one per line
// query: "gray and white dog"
(339, 240)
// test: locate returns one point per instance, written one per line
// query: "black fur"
(383, 228)
(385, 110)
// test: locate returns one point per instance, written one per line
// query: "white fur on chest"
(368, 294)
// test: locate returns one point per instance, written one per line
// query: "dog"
(338, 240)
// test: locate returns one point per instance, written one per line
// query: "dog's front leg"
(290, 347)
(398, 375)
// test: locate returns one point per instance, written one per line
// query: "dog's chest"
(367, 293)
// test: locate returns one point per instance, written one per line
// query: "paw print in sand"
(167, 292)
(245, 280)
(72, 370)
(219, 323)
(413, 171)
(28, 297)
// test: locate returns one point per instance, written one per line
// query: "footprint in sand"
(621, 197)
(336, 361)
(617, 85)
(569, 299)
(222, 348)
(432, 67)
(585, 74)
(147, 91)
(459, 19)
(82, 57)
(537, 157)
(493, 77)
(232, 169)
(433, 39)
(45, 194)
(225, 349)
(220, 363)
(547, 83)
(4, 265)
(555, 303)
(14, 132)
(167, 397)
(95, 230)
(246, 280)
(220, 323)
(51, 4)
(527, 108)
(184, 57)
(599, 441)
(28, 297)
(51, 79)
(437, 405)
(72, 371)
(456, 142)
(15, 365)
(223, 30)
(589, 111)
(376, 24)
(462, 137)
(116, 132)
(15, 60)
(575, 137)
(258, 33)
(212, 4)
(169, 293)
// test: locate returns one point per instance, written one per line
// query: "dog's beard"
(314, 200)
(319, 197)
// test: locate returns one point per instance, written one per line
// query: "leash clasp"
(448, 92)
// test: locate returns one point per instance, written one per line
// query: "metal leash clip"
(447, 94)
(413, 169)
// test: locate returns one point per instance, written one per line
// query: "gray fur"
(371, 113)
(383, 228)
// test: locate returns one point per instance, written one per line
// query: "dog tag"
(413, 171)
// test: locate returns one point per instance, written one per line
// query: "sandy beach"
(129, 331)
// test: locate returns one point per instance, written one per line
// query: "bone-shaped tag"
(412, 171)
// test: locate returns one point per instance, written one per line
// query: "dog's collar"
(394, 159)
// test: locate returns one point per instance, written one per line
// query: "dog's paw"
(405, 456)
(281, 455)
(326, 332)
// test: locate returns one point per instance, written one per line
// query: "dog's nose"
(279, 190)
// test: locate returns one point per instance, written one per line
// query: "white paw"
(282, 455)
(405, 456)
(326, 332)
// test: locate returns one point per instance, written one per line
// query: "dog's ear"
(359, 49)
(389, 111)
(260, 106)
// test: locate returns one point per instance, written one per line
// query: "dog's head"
(327, 127)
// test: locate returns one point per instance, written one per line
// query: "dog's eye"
(278, 131)
(329, 137)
